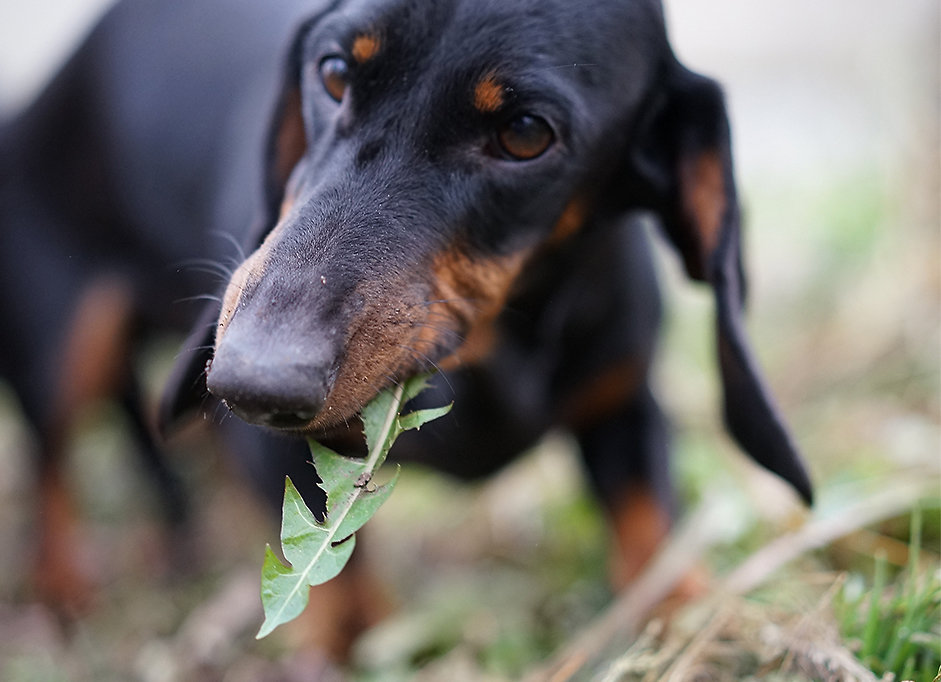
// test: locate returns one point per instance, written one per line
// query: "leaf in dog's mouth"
(317, 551)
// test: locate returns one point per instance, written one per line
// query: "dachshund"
(457, 186)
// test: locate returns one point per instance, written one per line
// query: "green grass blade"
(871, 632)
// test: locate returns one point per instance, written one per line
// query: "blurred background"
(835, 119)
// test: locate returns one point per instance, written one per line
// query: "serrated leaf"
(313, 556)
(418, 418)
(334, 470)
(318, 550)
(367, 505)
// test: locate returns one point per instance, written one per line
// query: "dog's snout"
(270, 389)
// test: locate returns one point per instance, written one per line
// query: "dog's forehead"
(534, 33)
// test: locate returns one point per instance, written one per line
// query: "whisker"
(393, 380)
(574, 65)
(376, 385)
(192, 349)
(456, 336)
(430, 363)
(227, 236)
(439, 314)
(200, 297)
(458, 299)
(216, 264)
(218, 420)
(223, 273)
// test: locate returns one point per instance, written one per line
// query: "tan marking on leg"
(93, 363)
(95, 355)
(60, 576)
(640, 525)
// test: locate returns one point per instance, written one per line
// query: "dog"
(457, 186)
(454, 186)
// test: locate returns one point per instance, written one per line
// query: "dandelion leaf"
(316, 550)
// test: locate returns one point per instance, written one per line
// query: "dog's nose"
(267, 388)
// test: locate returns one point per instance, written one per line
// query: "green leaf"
(418, 418)
(317, 551)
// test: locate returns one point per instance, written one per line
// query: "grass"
(895, 625)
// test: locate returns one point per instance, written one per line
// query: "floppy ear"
(682, 168)
(287, 138)
(285, 145)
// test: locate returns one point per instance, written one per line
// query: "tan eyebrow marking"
(489, 94)
(365, 47)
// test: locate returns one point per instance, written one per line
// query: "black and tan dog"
(437, 184)
(451, 185)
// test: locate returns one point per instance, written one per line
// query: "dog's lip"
(290, 421)
(279, 420)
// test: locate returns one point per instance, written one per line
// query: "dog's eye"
(525, 137)
(335, 75)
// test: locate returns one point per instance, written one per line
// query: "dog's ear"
(681, 167)
(287, 138)
(285, 145)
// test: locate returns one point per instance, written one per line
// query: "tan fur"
(365, 47)
(489, 94)
(640, 525)
(704, 199)
(595, 399)
(472, 292)
(395, 336)
(93, 363)
(291, 138)
(95, 349)
(571, 221)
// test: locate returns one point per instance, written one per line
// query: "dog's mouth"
(293, 421)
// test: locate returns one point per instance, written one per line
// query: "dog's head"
(421, 153)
